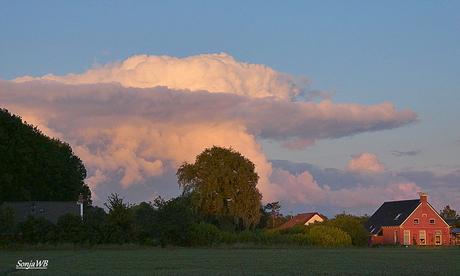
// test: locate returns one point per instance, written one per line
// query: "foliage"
(120, 218)
(144, 222)
(296, 229)
(36, 167)
(120, 213)
(70, 228)
(353, 226)
(206, 234)
(448, 213)
(36, 230)
(328, 236)
(96, 226)
(6, 220)
(222, 185)
(298, 239)
(173, 221)
(271, 217)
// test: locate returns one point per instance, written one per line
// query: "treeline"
(173, 222)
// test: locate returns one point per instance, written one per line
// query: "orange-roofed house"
(306, 219)
(408, 222)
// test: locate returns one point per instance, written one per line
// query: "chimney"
(80, 202)
(423, 197)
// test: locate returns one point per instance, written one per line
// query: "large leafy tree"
(36, 167)
(222, 185)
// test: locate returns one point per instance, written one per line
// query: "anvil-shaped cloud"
(136, 120)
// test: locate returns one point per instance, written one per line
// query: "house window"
(397, 217)
(42, 211)
(422, 234)
(407, 237)
(396, 236)
(415, 220)
(432, 221)
(438, 237)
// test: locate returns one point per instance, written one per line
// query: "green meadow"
(238, 261)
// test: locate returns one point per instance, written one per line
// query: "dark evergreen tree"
(448, 213)
(36, 167)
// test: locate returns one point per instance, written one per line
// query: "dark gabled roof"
(49, 210)
(300, 218)
(391, 213)
(450, 221)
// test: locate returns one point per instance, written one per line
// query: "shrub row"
(205, 234)
(70, 229)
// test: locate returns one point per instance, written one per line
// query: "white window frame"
(438, 233)
(422, 237)
(406, 237)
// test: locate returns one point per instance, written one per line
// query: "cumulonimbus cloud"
(211, 72)
(135, 120)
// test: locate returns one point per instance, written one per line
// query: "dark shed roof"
(391, 213)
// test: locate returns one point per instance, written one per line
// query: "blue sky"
(366, 52)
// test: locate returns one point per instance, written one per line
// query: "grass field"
(239, 261)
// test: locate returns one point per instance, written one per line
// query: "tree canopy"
(222, 185)
(448, 213)
(36, 167)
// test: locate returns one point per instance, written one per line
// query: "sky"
(342, 105)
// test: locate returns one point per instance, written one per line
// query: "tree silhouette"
(36, 167)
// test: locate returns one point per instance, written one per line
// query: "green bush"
(205, 234)
(353, 226)
(328, 236)
(36, 230)
(173, 221)
(70, 228)
(255, 236)
(275, 236)
(298, 239)
(97, 229)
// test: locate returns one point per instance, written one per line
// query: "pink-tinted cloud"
(128, 130)
(365, 162)
(298, 144)
(366, 186)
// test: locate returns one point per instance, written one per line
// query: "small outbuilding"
(306, 219)
(455, 236)
(408, 222)
(49, 210)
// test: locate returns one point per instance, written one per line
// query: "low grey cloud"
(405, 153)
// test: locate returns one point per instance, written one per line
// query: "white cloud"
(211, 72)
(365, 162)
